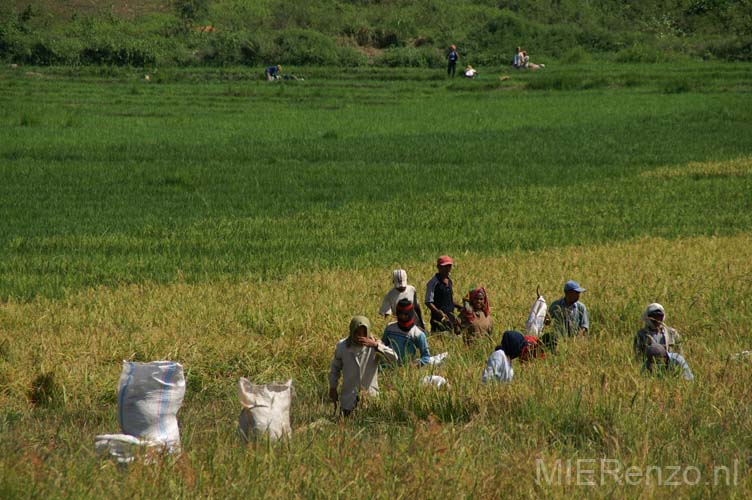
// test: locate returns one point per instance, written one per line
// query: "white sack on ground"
(149, 397)
(122, 447)
(534, 323)
(266, 409)
(437, 359)
(435, 380)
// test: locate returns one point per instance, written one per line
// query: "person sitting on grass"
(498, 367)
(655, 331)
(357, 358)
(405, 338)
(659, 360)
(470, 72)
(528, 65)
(526, 347)
(475, 316)
(517, 60)
(273, 72)
(401, 291)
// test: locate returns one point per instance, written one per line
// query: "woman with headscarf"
(656, 332)
(475, 316)
(525, 347)
(513, 345)
(357, 359)
(405, 338)
(401, 291)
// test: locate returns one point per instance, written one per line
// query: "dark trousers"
(451, 68)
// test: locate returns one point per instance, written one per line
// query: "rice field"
(236, 225)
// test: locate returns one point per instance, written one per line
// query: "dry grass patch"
(738, 167)
(589, 402)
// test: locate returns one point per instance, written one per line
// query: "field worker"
(517, 60)
(405, 338)
(528, 65)
(401, 291)
(659, 359)
(357, 359)
(273, 72)
(655, 331)
(498, 367)
(475, 317)
(452, 58)
(440, 298)
(568, 316)
(470, 72)
(516, 345)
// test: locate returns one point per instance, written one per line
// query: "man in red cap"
(440, 298)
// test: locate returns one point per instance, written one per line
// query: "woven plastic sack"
(123, 448)
(537, 316)
(266, 410)
(149, 397)
(434, 380)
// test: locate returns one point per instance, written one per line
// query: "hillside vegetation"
(361, 32)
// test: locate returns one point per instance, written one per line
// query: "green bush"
(575, 55)
(412, 57)
(298, 46)
(119, 52)
(225, 48)
(732, 49)
(640, 54)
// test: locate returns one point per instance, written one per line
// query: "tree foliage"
(413, 32)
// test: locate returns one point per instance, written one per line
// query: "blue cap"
(573, 285)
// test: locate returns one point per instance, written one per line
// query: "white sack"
(122, 447)
(437, 359)
(534, 323)
(266, 409)
(149, 397)
(435, 380)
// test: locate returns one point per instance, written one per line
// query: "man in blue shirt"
(406, 339)
(568, 316)
(273, 72)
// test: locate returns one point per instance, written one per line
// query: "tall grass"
(588, 402)
(201, 181)
(235, 226)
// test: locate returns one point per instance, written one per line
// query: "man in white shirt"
(357, 358)
(401, 291)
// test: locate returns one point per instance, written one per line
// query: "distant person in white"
(470, 72)
(401, 291)
(498, 367)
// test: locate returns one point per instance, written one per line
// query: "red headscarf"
(470, 299)
(405, 308)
